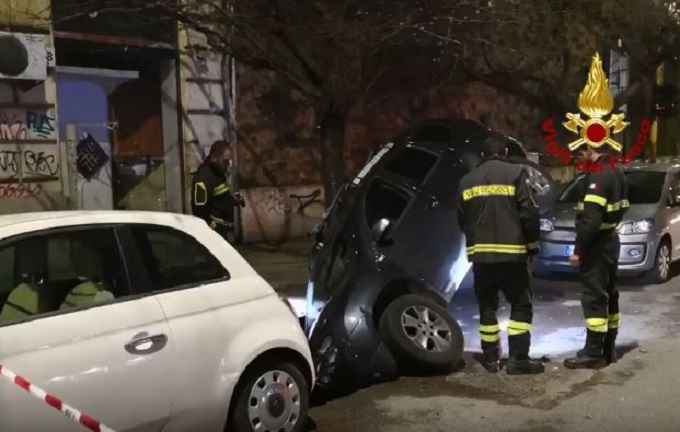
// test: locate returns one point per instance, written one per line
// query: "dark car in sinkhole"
(389, 256)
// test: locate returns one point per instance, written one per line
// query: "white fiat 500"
(146, 322)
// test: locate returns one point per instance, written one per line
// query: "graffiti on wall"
(29, 163)
(274, 215)
(18, 124)
(20, 190)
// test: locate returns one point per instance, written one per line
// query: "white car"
(147, 322)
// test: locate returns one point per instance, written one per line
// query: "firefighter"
(212, 199)
(500, 219)
(602, 204)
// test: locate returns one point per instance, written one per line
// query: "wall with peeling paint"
(32, 162)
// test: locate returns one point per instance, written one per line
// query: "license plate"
(569, 250)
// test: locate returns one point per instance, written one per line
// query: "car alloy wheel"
(274, 402)
(663, 261)
(426, 329)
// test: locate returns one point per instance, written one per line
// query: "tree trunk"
(332, 145)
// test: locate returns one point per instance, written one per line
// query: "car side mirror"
(380, 231)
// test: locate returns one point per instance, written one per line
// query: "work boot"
(519, 362)
(591, 356)
(609, 351)
(491, 357)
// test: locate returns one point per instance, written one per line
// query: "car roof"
(653, 167)
(94, 216)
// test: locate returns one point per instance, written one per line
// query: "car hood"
(564, 215)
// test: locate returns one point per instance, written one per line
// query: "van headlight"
(637, 227)
(546, 225)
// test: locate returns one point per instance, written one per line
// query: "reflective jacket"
(603, 202)
(497, 213)
(211, 199)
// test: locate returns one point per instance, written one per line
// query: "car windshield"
(644, 187)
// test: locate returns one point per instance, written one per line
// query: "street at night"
(559, 400)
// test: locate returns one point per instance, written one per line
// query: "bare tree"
(337, 53)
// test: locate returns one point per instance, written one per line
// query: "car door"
(193, 287)
(672, 202)
(426, 236)
(106, 354)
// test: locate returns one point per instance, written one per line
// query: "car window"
(383, 201)
(412, 163)
(433, 134)
(645, 187)
(675, 182)
(174, 259)
(55, 272)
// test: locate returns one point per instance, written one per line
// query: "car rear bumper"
(636, 256)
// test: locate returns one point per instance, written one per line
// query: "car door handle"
(143, 344)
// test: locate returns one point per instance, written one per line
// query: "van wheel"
(273, 397)
(662, 264)
(421, 335)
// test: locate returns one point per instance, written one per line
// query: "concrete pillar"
(171, 139)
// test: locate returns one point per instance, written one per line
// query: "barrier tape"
(68, 411)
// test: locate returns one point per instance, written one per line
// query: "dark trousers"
(513, 280)
(600, 298)
(226, 231)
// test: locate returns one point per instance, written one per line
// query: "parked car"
(146, 321)
(390, 255)
(649, 232)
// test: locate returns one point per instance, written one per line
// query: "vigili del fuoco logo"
(595, 130)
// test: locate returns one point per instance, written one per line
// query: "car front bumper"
(636, 255)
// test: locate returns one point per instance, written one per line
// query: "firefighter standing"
(500, 220)
(602, 204)
(212, 199)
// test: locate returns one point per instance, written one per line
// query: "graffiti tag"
(20, 190)
(21, 125)
(31, 163)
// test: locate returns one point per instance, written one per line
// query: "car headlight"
(546, 225)
(637, 227)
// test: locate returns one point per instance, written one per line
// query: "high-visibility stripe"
(623, 204)
(496, 248)
(517, 328)
(488, 190)
(221, 189)
(595, 199)
(614, 321)
(533, 245)
(489, 338)
(200, 188)
(606, 226)
(495, 328)
(597, 324)
(618, 205)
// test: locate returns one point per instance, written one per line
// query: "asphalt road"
(637, 393)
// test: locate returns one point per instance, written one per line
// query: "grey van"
(649, 232)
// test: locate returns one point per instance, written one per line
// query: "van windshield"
(644, 187)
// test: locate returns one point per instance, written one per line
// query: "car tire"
(403, 326)
(662, 264)
(273, 377)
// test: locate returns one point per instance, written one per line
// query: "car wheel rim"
(426, 328)
(664, 261)
(274, 403)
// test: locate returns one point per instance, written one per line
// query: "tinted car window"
(175, 259)
(433, 134)
(60, 271)
(645, 187)
(412, 163)
(383, 201)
